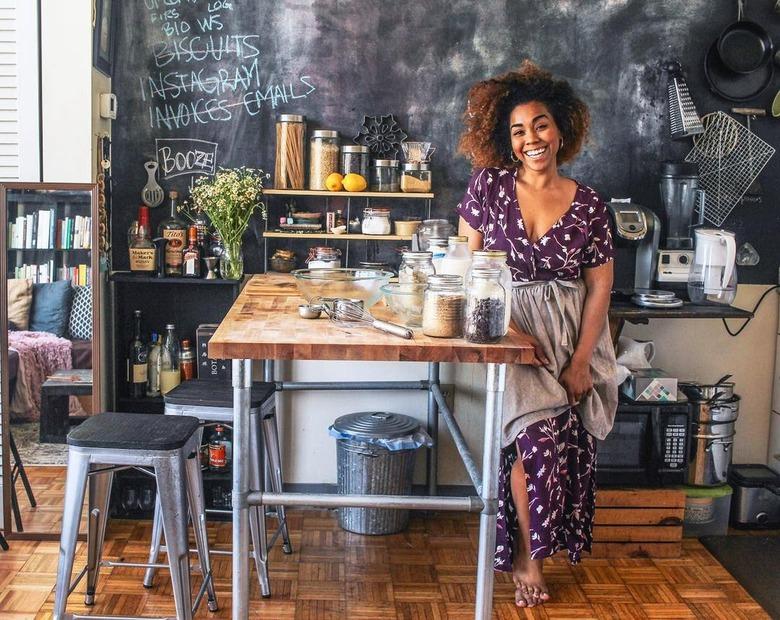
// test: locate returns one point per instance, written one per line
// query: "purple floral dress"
(558, 453)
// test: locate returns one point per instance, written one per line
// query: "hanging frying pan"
(738, 87)
(744, 47)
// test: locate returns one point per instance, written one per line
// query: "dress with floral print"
(580, 238)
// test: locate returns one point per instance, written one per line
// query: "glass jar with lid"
(376, 221)
(443, 306)
(416, 268)
(288, 168)
(323, 157)
(437, 246)
(416, 177)
(354, 160)
(457, 260)
(324, 257)
(495, 259)
(385, 176)
(485, 312)
(433, 229)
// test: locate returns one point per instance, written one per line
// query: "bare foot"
(530, 587)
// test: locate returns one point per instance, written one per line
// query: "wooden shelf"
(633, 313)
(329, 194)
(344, 236)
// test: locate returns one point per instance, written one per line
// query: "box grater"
(684, 121)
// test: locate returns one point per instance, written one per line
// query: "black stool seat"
(134, 431)
(209, 393)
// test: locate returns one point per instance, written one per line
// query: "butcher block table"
(263, 324)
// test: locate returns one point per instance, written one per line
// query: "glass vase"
(231, 263)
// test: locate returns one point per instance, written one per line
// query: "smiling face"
(535, 136)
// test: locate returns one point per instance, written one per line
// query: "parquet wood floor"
(426, 573)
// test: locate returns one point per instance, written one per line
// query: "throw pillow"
(19, 302)
(80, 326)
(51, 307)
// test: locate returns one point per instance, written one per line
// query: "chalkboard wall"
(212, 75)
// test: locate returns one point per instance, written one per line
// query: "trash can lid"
(376, 424)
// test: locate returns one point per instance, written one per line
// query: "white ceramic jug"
(713, 276)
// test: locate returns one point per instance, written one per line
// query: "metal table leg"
(433, 429)
(496, 378)
(242, 384)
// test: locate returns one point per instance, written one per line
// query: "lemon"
(354, 182)
(776, 105)
(333, 182)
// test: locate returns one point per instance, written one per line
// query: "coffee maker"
(680, 193)
(637, 227)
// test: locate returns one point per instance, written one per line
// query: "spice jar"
(384, 176)
(324, 257)
(443, 307)
(485, 307)
(416, 177)
(376, 221)
(416, 268)
(323, 157)
(288, 169)
(354, 160)
(495, 259)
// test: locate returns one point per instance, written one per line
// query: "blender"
(680, 193)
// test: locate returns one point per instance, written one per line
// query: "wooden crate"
(638, 523)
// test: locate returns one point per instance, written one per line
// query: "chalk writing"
(199, 48)
(182, 156)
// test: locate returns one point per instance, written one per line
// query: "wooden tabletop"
(264, 324)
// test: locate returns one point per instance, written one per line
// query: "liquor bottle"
(187, 360)
(153, 367)
(143, 253)
(201, 222)
(191, 255)
(173, 230)
(136, 361)
(219, 450)
(170, 374)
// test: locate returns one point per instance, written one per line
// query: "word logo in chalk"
(182, 156)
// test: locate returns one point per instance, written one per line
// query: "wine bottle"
(170, 373)
(136, 362)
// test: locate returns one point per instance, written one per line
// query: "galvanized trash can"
(376, 452)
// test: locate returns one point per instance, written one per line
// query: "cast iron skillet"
(744, 47)
(738, 87)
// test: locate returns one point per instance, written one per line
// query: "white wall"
(692, 349)
(66, 65)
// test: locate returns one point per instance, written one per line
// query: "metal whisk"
(351, 314)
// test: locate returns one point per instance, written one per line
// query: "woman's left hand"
(576, 380)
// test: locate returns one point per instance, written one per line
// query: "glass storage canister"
(324, 257)
(485, 307)
(385, 176)
(457, 260)
(416, 268)
(494, 259)
(376, 221)
(437, 246)
(290, 135)
(433, 228)
(443, 307)
(416, 177)
(354, 160)
(323, 157)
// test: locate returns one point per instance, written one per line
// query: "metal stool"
(212, 402)
(109, 442)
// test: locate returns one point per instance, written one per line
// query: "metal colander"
(730, 157)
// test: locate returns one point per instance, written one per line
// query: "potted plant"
(229, 199)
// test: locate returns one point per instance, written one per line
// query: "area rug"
(34, 453)
(753, 560)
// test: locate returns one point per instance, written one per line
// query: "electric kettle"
(713, 275)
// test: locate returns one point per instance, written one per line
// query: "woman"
(519, 128)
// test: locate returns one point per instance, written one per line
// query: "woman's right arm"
(475, 237)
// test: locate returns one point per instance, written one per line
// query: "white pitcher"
(713, 276)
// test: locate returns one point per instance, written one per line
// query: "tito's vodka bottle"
(173, 230)
(136, 362)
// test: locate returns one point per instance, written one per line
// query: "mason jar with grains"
(416, 268)
(443, 306)
(485, 304)
(416, 177)
(323, 157)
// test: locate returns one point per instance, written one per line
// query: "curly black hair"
(486, 140)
